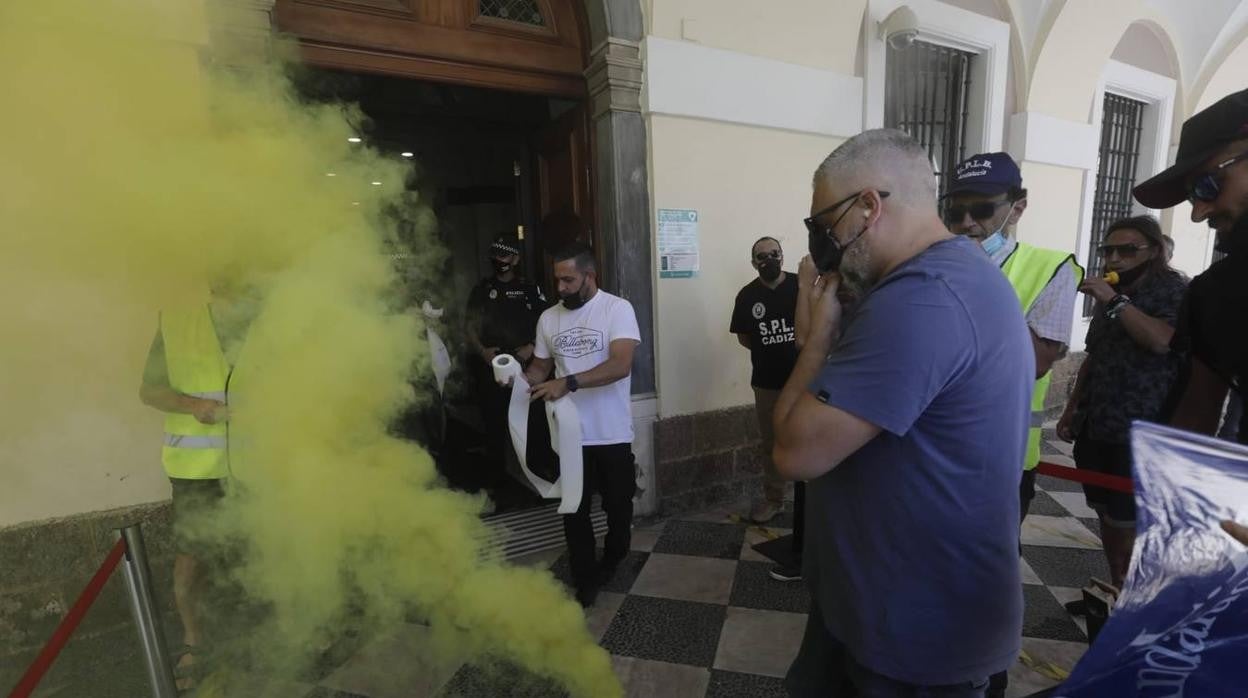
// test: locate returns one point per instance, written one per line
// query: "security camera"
(900, 28)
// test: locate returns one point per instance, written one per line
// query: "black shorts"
(1110, 459)
(194, 503)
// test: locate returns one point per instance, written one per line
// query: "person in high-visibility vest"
(984, 201)
(186, 377)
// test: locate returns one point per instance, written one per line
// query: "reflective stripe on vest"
(218, 395)
(184, 441)
(197, 367)
(1029, 269)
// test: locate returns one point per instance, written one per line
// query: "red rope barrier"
(60, 636)
(1087, 477)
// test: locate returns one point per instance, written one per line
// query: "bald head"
(885, 159)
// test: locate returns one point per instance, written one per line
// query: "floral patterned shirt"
(1126, 381)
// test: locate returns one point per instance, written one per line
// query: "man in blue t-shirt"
(908, 420)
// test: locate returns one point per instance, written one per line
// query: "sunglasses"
(1125, 251)
(1208, 186)
(764, 256)
(825, 250)
(980, 211)
(817, 229)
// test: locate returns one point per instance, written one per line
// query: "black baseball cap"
(988, 174)
(1202, 136)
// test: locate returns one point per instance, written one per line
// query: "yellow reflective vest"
(197, 367)
(1029, 270)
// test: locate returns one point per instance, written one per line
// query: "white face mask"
(993, 243)
(996, 241)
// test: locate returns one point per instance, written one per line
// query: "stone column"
(623, 198)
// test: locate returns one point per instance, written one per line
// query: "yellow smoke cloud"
(138, 168)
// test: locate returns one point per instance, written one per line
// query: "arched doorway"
(490, 99)
(512, 70)
(594, 41)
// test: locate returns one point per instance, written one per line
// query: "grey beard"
(855, 272)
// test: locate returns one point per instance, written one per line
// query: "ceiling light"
(355, 203)
(330, 174)
(376, 184)
(407, 154)
(354, 139)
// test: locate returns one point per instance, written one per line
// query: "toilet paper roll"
(565, 436)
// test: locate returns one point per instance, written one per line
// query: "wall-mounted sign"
(678, 243)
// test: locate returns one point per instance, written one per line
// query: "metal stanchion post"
(146, 617)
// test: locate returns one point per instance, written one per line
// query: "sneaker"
(1078, 607)
(763, 512)
(786, 573)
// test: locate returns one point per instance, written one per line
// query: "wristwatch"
(1115, 306)
(570, 380)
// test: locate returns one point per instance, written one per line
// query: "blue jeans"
(824, 669)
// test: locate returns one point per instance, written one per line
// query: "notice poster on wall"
(678, 243)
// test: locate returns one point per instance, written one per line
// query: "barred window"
(1122, 124)
(926, 95)
(522, 11)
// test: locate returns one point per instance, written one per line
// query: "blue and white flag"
(1180, 629)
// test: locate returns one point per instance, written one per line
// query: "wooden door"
(564, 186)
(535, 46)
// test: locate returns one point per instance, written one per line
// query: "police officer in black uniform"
(502, 319)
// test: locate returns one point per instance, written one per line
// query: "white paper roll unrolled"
(565, 436)
(439, 357)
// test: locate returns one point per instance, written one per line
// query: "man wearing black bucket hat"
(1211, 172)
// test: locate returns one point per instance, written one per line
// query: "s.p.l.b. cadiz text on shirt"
(777, 331)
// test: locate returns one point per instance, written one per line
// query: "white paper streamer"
(439, 357)
(565, 436)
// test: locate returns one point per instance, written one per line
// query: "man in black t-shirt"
(502, 319)
(1211, 171)
(763, 320)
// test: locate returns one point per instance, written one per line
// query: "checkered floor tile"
(692, 612)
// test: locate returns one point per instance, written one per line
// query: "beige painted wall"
(87, 444)
(1084, 35)
(1054, 198)
(814, 33)
(81, 441)
(744, 182)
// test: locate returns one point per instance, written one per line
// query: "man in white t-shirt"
(589, 339)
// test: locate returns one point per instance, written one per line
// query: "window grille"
(926, 95)
(522, 11)
(1122, 124)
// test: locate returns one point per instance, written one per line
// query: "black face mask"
(1235, 240)
(500, 267)
(573, 300)
(1130, 276)
(769, 270)
(827, 252)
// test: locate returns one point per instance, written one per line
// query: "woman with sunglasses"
(1128, 371)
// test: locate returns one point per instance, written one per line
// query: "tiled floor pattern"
(692, 613)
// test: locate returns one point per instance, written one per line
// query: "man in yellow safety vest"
(984, 201)
(186, 376)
